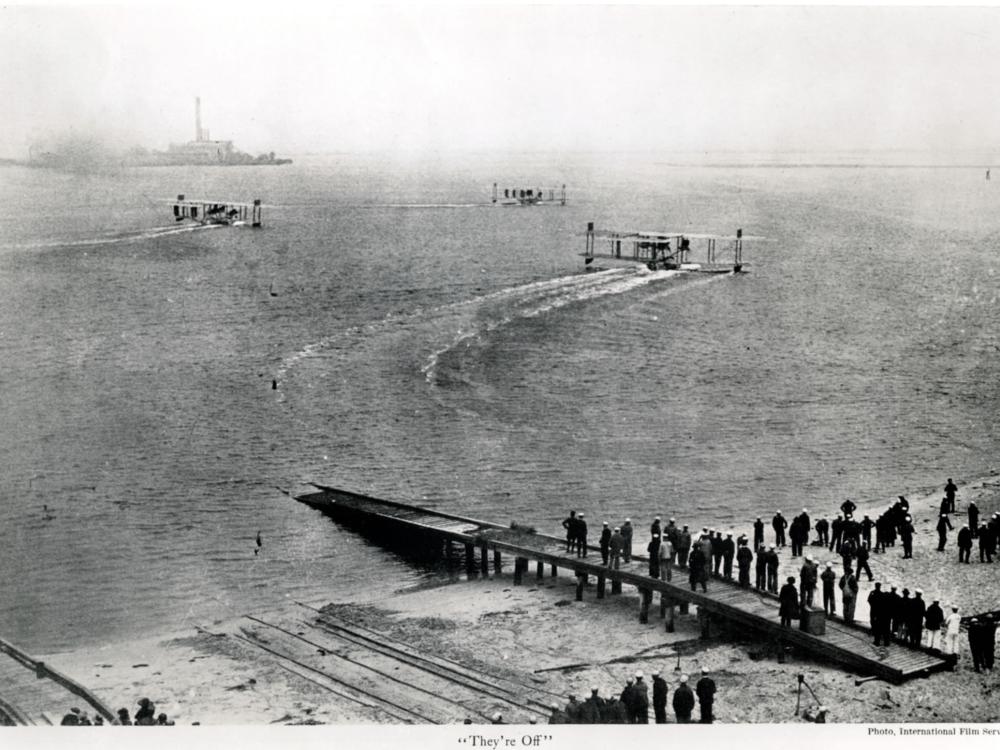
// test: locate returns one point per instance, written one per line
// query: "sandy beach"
(533, 637)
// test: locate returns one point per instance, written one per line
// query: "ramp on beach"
(32, 693)
(849, 645)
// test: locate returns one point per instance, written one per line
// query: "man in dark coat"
(829, 577)
(744, 557)
(570, 525)
(706, 696)
(964, 544)
(848, 507)
(698, 569)
(779, 524)
(878, 615)
(943, 527)
(976, 644)
(974, 519)
(641, 700)
(653, 549)
(772, 561)
(866, 526)
(949, 494)
(581, 536)
(838, 532)
(591, 711)
(892, 609)
(728, 552)
(605, 542)
(989, 625)
(789, 598)
(915, 623)
(683, 545)
(758, 533)
(558, 716)
(862, 553)
(659, 698)
(933, 620)
(906, 534)
(683, 701)
(808, 577)
(627, 540)
(615, 546)
(795, 536)
(985, 544)
(848, 593)
(716, 537)
(761, 568)
(628, 700)
(654, 528)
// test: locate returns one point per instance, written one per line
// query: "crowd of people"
(145, 716)
(893, 616)
(632, 705)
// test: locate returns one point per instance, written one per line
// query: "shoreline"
(536, 635)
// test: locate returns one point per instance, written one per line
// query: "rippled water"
(429, 347)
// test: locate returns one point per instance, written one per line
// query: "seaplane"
(668, 250)
(228, 213)
(529, 196)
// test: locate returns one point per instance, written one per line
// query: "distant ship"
(202, 151)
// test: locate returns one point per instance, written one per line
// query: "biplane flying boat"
(529, 196)
(669, 250)
(218, 212)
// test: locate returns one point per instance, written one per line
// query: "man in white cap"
(772, 561)
(591, 711)
(758, 533)
(497, 718)
(605, 543)
(683, 701)
(654, 528)
(615, 547)
(951, 625)
(558, 716)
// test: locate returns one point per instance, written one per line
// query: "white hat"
(594, 689)
(628, 520)
(656, 673)
(497, 715)
(704, 670)
(638, 675)
(617, 529)
(918, 591)
(556, 706)
(580, 515)
(657, 518)
(672, 519)
(829, 565)
(729, 533)
(804, 510)
(809, 558)
(684, 678)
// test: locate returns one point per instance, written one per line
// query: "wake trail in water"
(146, 234)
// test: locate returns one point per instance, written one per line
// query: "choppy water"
(431, 347)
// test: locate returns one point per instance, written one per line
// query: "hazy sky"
(291, 79)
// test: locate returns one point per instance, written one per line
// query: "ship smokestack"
(197, 118)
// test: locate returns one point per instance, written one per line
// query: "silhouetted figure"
(260, 544)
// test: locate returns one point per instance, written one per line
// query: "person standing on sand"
(943, 527)
(974, 518)
(706, 696)
(570, 525)
(758, 533)
(627, 699)
(932, 621)
(683, 702)
(789, 598)
(615, 546)
(838, 532)
(949, 493)
(659, 698)
(605, 544)
(558, 716)
(728, 552)
(985, 544)
(862, 553)
(951, 626)
(867, 525)
(641, 700)
(260, 543)
(906, 534)
(779, 524)
(822, 532)
(848, 594)
(989, 640)
(964, 544)
(654, 528)
(627, 540)
(829, 577)
(808, 577)
(976, 644)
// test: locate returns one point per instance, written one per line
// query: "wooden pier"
(849, 645)
(32, 693)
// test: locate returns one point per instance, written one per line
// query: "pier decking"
(847, 644)
(32, 693)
